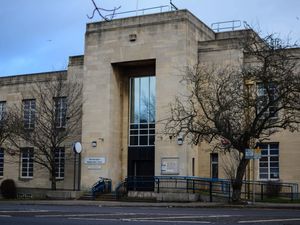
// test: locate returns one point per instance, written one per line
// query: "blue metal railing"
(213, 187)
(103, 185)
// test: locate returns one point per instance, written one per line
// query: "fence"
(220, 188)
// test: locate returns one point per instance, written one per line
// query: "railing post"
(157, 185)
(187, 185)
(292, 194)
(193, 186)
(210, 191)
(229, 192)
(262, 191)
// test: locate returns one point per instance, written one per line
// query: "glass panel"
(264, 152)
(144, 132)
(263, 170)
(274, 158)
(144, 126)
(274, 146)
(152, 100)
(274, 152)
(143, 140)
(134, 132)
(134, 140)
(134, 126)
(264, 159)
(263, 176)
(274, 164)
(142, 100)
(151, 139)
(214, 171)
(263, 146)
(274, 175)
(263, 164)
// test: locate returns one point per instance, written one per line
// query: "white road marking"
(87, 215)
(134, 220)
(24, 211)
(184, 217)
(270, 220)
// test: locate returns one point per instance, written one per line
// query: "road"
(17, 214)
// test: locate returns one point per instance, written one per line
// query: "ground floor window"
(1, 161)
(26, 162)
(214, 160)
(60, 163)
(269, 162)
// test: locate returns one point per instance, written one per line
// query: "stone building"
(129, 73)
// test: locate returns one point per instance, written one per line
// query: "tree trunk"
(238, 181)
(53, 183)
(53, 180)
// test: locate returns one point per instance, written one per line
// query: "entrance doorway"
(141, 148)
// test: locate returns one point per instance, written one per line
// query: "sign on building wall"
(253, 153)
(94, 160)
(170, 166)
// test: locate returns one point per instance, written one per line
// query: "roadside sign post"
(253, 154)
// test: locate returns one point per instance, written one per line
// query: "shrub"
(273, 188)
(8, 189)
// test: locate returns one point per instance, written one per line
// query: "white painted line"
(166, 221)
(24, 211)
(182, 217)
(270, 220)
(86, 215)
(134, 220)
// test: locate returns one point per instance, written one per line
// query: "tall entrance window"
(142, 111)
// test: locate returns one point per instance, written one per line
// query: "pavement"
(154, 204)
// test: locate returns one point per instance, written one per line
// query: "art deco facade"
(130, 74)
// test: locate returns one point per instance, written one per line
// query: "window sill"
(25, 178)
(277, 179)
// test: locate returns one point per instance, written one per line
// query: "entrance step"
(106, 197)
(87, 196)
(133, 199)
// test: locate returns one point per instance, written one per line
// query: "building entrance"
(141, 149)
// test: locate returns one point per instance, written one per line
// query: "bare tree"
(49, 121)
(6, 123)
(240, 105)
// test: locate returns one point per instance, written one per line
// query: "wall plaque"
(170, 166)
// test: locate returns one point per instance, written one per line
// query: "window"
(266, 95)
(60, 112)
(142, 111)
(1, 161)
(2, 110)
(27, 162)
(59, 158)
(214, 160)
(269, 162)
(29, 113)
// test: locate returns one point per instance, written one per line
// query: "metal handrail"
(142, 10)
(228, 25)
(213, 186)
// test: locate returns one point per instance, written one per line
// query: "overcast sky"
(40, 35)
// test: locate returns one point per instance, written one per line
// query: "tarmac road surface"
(29, 214)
